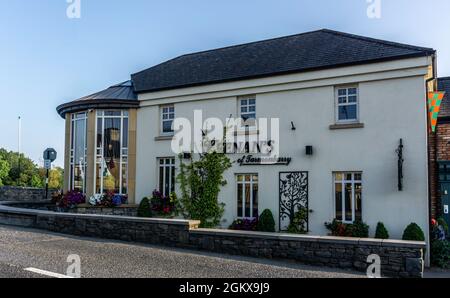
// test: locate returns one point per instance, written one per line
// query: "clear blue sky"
(47, 59)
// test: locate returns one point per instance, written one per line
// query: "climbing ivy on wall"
(200, 182)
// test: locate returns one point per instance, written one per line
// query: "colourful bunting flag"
(434, 106)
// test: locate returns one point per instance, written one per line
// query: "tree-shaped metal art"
(293, 198)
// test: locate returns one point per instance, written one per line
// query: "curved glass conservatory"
(100, 147)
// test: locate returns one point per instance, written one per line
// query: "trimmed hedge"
(144, 209)
(413, 233)
(266, 222)
(381, 232)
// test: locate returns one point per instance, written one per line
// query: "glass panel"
(338, 176)
(80, 146)
(352, 99)
(358, 177)
(125, 133)
(99, 132)
(243, 102)
(113, 113)
(167, 126)
(239, 198)
(172, 184)
(124, 178)
(358, 202)
(252, 101)
(247, 200)
(161, 178)
(98, 178)
(240, 178)
(167, 186)
(348, 202)
(352, 91)
(342, 92)
(348, 176)
(255, 200)
(338, 197)
(247, 177)
(347, 112)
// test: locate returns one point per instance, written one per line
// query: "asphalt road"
(25, 248)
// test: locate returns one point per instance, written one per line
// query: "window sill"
(164, 138)
(346, 126)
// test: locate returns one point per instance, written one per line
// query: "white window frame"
(343, 182)
(75, 118)
(248, 98)
(171, 167)
(346, 103)
(244, 183)
(162, 120)
(99, 151)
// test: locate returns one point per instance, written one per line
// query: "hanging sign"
(434, 106)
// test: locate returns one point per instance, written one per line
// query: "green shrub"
(266, 222)
(298, 225)
(358, 230)
(381, 232)
(144, 209)
(444, 224)
(440, 253)
(413, 233)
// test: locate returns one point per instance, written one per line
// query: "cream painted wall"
(390, 108)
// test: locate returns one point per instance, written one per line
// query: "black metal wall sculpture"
(294, 200)
(399, 152)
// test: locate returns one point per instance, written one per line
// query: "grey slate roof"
(444, 85)
(118, 96)
(302, 52)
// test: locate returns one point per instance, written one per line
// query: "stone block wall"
(125, 210)
(398, 258)
(22, 194)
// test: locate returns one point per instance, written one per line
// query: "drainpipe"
(434, 76)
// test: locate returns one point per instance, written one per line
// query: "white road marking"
(47, 273)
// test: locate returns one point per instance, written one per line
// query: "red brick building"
(440, 158)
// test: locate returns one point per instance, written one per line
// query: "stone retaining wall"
(398, 258)
(22, 194)
(124, 210)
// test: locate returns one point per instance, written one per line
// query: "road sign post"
(49, 157)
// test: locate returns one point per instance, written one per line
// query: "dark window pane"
(247, 200)
(348, 202)
(161, 179)
(255, 200)
(338, 195)
(125, 133)
(347, 112)
(167, 126)
(358, 202)
(239, 202)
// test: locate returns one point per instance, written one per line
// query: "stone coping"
(21, 211)
(87, 206)
(308, 238)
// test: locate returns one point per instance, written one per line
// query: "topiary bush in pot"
(413, 233)
(266, 222)
(144, 209)
(381, 232)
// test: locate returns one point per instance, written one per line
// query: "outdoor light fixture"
(293, 126)
(309, 150)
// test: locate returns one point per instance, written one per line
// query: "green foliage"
(22, 170)
(381, 232)
(357, 230)
(144, 209)
(440, 253)
(444, 224)
(413, 233)
(4, 170)
(298, 224)
(200, 183)
(266, 222)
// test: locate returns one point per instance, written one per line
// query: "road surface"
(26, 249)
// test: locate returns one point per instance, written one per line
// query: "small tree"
(266, 222)
(4, 170)
(200, 183)
(381, 232)
(413, 233)
(144, 208)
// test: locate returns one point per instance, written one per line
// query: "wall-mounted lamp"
(293, 126)
(309, 150)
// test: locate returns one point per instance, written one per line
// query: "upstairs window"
(347, 109)
(247, 110)
(167, 118)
